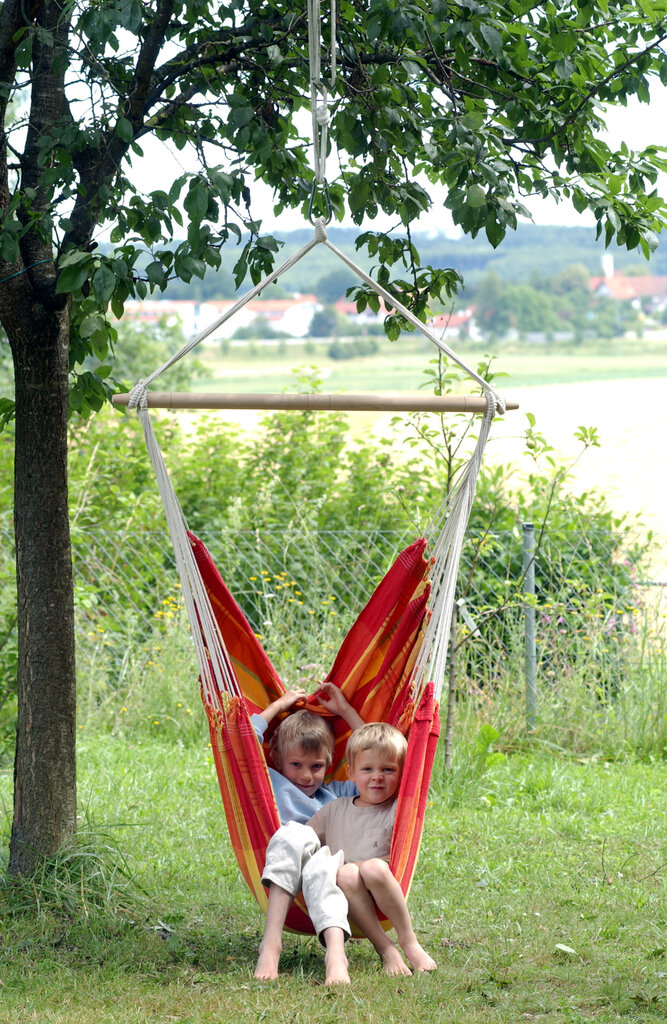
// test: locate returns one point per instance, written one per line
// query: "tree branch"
(145, 67)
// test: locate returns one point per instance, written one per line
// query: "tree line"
(531, 253)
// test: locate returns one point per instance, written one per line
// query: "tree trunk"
(44, 767)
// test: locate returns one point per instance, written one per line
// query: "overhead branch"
(99, 163)
(136, 104)
(223, 47)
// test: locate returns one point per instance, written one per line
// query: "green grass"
(400, 366)
(530, 856)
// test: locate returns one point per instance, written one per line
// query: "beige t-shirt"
(360, 832)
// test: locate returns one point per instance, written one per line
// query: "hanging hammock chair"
(391, 665)
(372, 668)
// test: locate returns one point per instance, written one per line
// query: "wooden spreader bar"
(341, 403)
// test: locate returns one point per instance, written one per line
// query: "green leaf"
(71, 278)
(392, 328)
(118, 303)
(90, 324)
(493, 39)
(495, 232)
(476, 196)
(99, 342)
(473, 120)
(7, 409)
(565, 68)
(240, 271)
(196, 201)
(155, 273)
(72, 257)
(651, 239)
(104, 282)
(124, 129)
(241, 116)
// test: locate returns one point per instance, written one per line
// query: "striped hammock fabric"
(373, 669)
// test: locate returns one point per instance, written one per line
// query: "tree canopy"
(493, 101)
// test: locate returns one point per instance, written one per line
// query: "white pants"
(296, 861)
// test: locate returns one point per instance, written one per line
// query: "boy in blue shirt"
(301, 751)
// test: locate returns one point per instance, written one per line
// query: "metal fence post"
(529, 625)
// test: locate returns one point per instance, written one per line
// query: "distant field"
(400, 367)
(622, 394)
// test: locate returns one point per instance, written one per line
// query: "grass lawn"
(540, 891)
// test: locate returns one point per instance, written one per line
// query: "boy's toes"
(393, 963)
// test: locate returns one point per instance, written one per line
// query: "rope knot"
(322, 113)
(320, 229)
(138, 396)
(500, 406)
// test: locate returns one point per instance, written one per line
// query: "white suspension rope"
(319, 89)
(215, 669)
(320, 237)
(446, 534)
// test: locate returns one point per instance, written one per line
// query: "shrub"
(303, 523)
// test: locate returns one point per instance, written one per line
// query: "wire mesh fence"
(300, 593)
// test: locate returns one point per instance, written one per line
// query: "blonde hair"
(379, 736)
(305, 730)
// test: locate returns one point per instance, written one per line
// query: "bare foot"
(267, 962)
(335, 968)
(393, 962)
(418, 957)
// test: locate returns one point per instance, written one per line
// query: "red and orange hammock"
(390, 667)
(373, 669)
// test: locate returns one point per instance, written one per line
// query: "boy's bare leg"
(271, 945)
(335, 961)
(388, 895)
(362, 912)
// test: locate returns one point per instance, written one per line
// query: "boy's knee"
(374, 871)
(347, 874)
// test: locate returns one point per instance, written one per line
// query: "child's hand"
(284, 703)
(332, 698)
(290, 698)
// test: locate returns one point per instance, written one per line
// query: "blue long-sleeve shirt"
(292, 803)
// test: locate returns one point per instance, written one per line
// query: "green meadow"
(399, 366)
(541, 892)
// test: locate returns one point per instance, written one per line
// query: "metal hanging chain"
(319, 88)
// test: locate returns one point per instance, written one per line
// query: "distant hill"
(529, 253)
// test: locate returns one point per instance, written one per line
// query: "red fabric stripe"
(413, 794)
